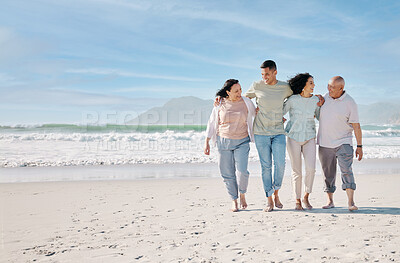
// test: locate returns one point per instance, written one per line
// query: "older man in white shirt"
(337, 121)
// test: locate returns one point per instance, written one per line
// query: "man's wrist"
(359, 145)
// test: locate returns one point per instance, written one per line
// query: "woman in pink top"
(230, 127)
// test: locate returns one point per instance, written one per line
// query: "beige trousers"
(308, 150)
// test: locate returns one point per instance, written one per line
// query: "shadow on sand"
(339, 210)
(361, 210)
(251, 210)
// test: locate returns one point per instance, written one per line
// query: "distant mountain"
(179, 111)
(195, 111)
(380, 113)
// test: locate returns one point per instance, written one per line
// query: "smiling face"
(269, 76)
(309, 87)
(235, 93)
(335, 87)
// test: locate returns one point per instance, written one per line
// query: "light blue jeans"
(269, 147)
(233, 159)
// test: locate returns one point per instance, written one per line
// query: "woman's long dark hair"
(227, 87)
(298, 82)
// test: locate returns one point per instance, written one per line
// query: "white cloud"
(7, 80)
(5, 35)
(289, 20)
(209, 60)
(391, 46)
(14, 47)
(149, 89)
(61, 97)
(270, 23)
(139, 5)
(123, 73)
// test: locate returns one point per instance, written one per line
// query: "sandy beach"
(109, 130)
(188, 220)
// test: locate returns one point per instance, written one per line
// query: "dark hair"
(269, 64)
(298, 82)
(227, 87)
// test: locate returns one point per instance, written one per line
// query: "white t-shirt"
(336, 116)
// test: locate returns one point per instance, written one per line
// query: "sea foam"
(67, 148)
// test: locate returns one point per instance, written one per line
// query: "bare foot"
(278, 203)
(307, 204)
(298, 206)
(353, 207)
(243, 203)
(328, 206)
(269, 207)
(235, 207)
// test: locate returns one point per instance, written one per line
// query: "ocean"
(80, 145)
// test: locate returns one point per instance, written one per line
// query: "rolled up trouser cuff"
(349, 186)
(233, 198)
(330, 189)
(269, 193)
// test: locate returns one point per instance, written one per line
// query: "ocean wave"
(101, 128)
(377, 137)
(382, 133)
(116, 155)
(118, 149)
(85, 137)
(68, 129)
(21, 149)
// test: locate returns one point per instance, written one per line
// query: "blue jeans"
(269, 147)
(233, 158)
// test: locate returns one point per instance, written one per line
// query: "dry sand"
(188, 220)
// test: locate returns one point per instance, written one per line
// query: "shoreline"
(163, 171)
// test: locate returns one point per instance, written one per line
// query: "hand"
(283, 119)
(207, 149)
(321, 100)
(217, 101)
(257, 109)
(359, 153)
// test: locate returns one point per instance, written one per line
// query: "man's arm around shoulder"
(251, 93)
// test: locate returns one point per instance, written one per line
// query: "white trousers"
(308, 150)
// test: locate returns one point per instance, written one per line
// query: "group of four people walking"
(235, 122)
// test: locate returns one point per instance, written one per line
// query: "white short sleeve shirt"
(336, 116)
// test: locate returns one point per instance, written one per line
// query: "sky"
(61, 61)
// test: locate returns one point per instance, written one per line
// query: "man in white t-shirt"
(338, 119)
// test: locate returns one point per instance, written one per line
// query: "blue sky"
(61, 59)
